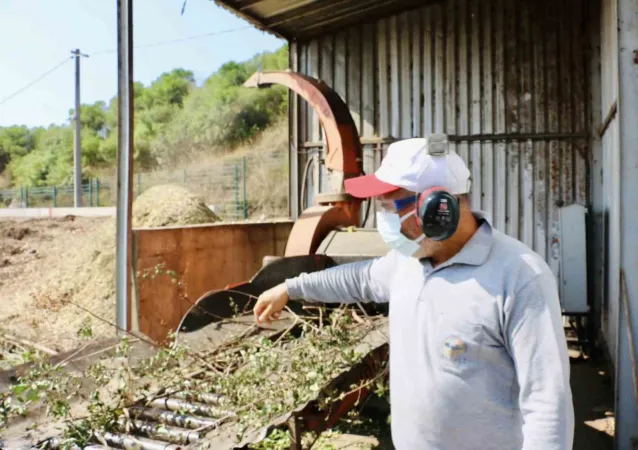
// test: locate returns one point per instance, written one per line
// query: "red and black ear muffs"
(438, 213)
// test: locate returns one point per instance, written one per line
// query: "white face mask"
(389, 227)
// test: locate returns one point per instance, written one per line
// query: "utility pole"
(77, 143)
(125, 318)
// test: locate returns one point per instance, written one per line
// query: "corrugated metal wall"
(509, 76)
(607, 180)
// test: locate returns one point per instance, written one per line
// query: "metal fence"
(239, 188)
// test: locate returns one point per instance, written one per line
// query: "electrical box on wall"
(573, 260)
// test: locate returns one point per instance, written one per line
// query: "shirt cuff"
(294, 289)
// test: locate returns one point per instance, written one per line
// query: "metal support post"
(123, 256)
(77, 142)
(236, 189)
(293, 139)
(245, 209)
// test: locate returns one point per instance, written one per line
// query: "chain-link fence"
(242, 187)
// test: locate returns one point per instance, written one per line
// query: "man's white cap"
(416, 165)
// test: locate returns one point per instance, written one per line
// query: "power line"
(173, 41)
(102, 52)
(24, 88)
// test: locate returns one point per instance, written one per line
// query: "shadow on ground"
(592, 389)
(593, 406)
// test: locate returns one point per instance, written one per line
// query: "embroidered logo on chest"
(454, 349)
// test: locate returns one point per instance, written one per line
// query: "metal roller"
(127, 442)
(158, 431)
(202, 397)
(171, 418)
(174, 404)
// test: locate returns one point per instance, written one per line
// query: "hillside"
(177, 123)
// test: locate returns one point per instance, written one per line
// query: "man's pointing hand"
(270, 303)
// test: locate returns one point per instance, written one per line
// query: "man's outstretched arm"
(362, 281)
(537, 344)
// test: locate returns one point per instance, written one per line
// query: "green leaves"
(173, 117)
(255, 377)
(85, 331)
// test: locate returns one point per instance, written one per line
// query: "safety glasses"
(396, 205)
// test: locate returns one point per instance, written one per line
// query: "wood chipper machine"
(326, 234)
(202, 412)
(330, 231)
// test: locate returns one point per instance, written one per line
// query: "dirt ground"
(30, 248)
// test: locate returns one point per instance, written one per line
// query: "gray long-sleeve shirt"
(478, 356)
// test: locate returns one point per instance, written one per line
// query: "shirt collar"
(477, 249)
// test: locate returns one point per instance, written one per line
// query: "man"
(478, 356)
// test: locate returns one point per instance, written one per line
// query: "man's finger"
(259, 307)
(265, 316)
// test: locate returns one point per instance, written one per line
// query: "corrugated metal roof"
(299, 20)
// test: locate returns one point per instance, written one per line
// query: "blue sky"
(36, 35)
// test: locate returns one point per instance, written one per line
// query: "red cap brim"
(368, 186)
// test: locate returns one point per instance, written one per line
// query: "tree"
(173, 117)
